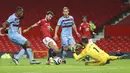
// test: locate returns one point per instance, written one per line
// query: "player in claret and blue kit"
(14, 36)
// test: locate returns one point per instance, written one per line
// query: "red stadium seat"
(115, 43)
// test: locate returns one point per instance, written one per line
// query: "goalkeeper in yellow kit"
(93, 51)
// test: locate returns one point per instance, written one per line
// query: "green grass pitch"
(118, 66)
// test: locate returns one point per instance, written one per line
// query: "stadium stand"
(115, 43)
(99, 12)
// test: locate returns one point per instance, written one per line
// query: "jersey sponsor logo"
(15, 22)
(16, 19)
(68, 23)
(15, 25)
(67, 26)
(11, 22)
(67, 20)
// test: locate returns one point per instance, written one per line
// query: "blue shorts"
(67, 40)
(17, 39)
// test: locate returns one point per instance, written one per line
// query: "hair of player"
(50, 12)
(19, 9)
(65, 8)
(84, 16)
(84, 40)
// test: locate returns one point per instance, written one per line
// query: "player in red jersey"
(46, 34)
(85, 28)
(45, 29)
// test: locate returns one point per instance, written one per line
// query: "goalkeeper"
(93, 51)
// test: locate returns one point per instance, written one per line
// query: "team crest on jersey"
(87, 29)
(17, 21)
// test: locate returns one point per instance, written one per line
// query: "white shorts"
(47, 40)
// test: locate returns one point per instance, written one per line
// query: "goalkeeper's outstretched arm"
(80, 56)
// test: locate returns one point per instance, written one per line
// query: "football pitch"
(72, 66)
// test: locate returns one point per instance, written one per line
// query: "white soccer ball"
(57, 60)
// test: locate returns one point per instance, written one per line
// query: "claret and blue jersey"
(66, 23)
(66, 34)
(13, 34)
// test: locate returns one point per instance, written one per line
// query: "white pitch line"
(85, 70)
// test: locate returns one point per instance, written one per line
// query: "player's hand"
(78, 34)
(73, 50)
(29, 28)
(55, 37)
(24, 31)
(2, 34)
(6, 30)
(79, 46)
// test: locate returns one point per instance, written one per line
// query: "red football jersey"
(44, 25)
(85, 30)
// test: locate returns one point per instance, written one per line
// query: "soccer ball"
(57, 60)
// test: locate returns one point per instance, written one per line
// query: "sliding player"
(93, 51)
(14, 36)
(46, 35)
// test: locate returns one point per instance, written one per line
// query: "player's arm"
(57, 28)
(80, 56)
(20, 30)
(0, 32)
(32, 26)
(5, 24)
(80, 29)
(75, 29)
(79, 46)
(56, 31)
(77, 57)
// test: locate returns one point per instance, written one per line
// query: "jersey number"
(95, 49)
